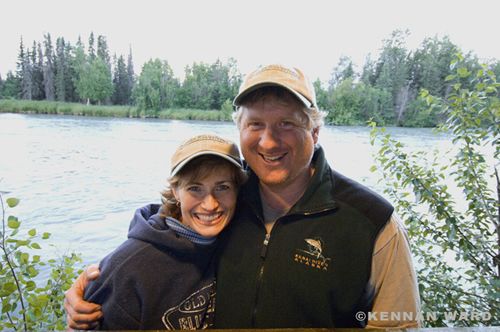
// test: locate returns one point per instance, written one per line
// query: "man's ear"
(315, 134)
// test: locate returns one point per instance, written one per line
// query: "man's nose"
(269, 138)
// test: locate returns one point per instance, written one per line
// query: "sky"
(309, 34)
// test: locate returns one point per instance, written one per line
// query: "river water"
(81, 178)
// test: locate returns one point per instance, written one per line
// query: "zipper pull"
(264, 247)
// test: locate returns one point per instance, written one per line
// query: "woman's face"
(207, 205)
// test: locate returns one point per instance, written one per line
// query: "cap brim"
(304, 100)
(183, 163)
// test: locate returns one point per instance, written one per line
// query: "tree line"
(385, 90)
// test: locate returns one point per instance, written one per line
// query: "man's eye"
(254, 125)
(286, 124)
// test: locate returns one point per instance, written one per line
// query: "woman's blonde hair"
(197, 169)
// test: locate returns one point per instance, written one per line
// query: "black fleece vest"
(315, 268)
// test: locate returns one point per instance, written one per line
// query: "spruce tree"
(60, 72)
(71, 94)
(48, 69)
(91, 46)
(38, 92)
(24, 72)
(130, 76)
(121, 93)
(11, 87)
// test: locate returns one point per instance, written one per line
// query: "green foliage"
(455, 237)
(94, 81)
(156, 87)
(28, 303)
(227, 108)
(208, 86)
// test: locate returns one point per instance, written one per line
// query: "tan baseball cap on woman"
(205, 144)
(292, 79)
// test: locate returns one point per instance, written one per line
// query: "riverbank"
(62, 108)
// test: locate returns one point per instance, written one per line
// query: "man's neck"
(280, 199)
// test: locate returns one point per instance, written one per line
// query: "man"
(307, 247)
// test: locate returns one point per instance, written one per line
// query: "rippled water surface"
(81, 178)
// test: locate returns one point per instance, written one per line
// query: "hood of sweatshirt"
(148, 226)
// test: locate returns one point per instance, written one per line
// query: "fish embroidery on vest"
(312, 256)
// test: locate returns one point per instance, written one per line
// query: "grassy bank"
(61, 108)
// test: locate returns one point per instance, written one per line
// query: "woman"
(163, 276)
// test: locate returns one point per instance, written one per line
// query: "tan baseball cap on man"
(205, 144)
(292, 79)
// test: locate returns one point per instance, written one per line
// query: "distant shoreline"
(77, 109)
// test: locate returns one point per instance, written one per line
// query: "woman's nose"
(210, 202)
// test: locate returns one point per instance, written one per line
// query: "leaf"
(45, 235)
(32, 232)
(463, 72)
(449, 78)
(13, 222)
(35, 246)
(32, 271)
(9, 287)
(12, 202)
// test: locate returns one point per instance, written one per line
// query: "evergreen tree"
(121, 95)
(70, 92)
(60, 73)
(393, 75)
(431, 65)
(130, 76)
(368, 73)
(48, 69)
(24, 72)
(344, 70)
(102, 50)
(91, 46)
(78, 63)
(38, 92)
(10, 87)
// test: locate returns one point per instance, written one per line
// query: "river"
(81, 178)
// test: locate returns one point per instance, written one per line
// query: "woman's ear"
(176, 193)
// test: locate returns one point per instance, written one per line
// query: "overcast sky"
(311, 34)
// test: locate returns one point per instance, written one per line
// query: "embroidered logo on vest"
(312, 256)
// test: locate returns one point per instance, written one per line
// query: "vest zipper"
(263, 253)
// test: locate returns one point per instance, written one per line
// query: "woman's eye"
(222, 187)
(194, 189)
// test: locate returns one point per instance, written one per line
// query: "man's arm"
(80, 314)
(394, 280)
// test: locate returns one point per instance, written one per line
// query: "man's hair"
(315, 117)
(196, 170)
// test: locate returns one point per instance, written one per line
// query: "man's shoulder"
(347, 191)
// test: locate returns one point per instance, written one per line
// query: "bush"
(455, 238)
(28, 303)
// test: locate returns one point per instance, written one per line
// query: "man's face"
(276, 143)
